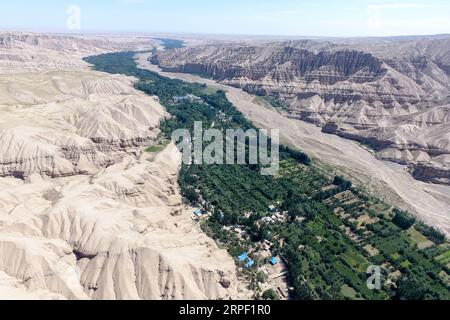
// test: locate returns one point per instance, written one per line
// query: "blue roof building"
(250, 263)
(243, 257)
(274, 261)
(198, 212)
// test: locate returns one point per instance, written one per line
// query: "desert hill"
(85, 213)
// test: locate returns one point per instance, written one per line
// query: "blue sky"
(260, 17)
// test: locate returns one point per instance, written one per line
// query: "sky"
(247, 17)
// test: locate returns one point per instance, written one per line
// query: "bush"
(302, 291)
(191, 195)
(432, 233)
(299, 156)
(262, 277)
(410, 289)
(403, 220)
(342, 183)
(270, 295)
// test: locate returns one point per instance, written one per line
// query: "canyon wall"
(392, 96)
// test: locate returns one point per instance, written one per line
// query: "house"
(274, 261)
(202, 213)
(268, 243)
(249, 263)
(280, 217)
(272, 208)
(243, 257)
(267, 220)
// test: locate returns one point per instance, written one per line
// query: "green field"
(349, 292)
(208, 90)
(444, 258)
(421, 241)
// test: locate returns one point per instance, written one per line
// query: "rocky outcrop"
(435, 174)
(390, 95)
(286, 65)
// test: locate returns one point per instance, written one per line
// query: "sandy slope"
(119, 234)
(430, 202)
(84, 212)
(64, 123)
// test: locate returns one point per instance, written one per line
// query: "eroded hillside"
(85, 213)
(390, 95)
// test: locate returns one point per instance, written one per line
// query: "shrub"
(342, 183)
(403, 220)
(270, 295)
(432, 233)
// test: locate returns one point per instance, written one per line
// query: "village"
(264, 271)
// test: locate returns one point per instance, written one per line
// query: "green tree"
(410, 289)
(403, 220)
(270, 295)
(302, 290)
(191, 195)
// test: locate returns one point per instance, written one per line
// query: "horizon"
(152, 34)
(286, 18)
